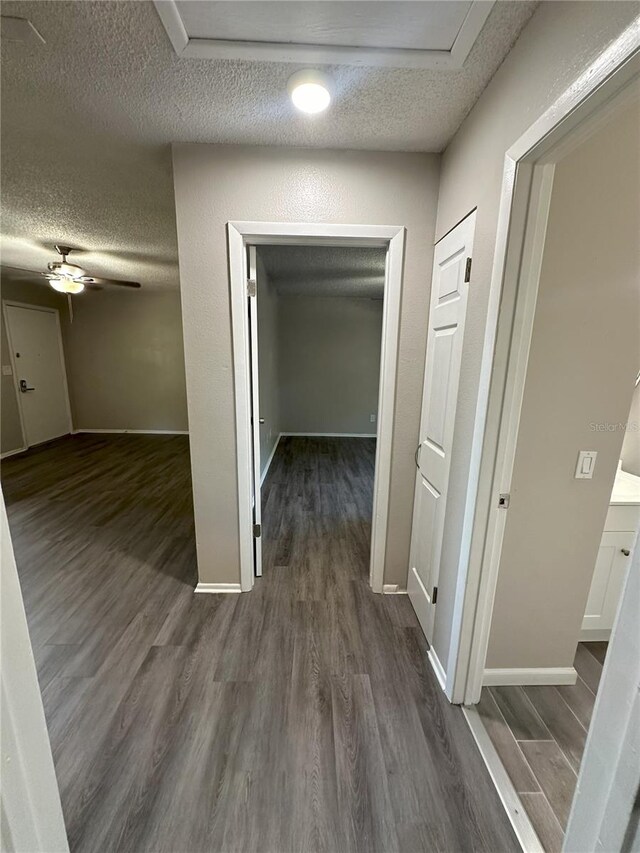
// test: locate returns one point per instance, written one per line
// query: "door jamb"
(240, 235)
(6, 303)
(525, 199)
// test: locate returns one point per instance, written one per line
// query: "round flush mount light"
(310, 90)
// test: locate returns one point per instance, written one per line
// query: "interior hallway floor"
(540, 733)
(303, 716)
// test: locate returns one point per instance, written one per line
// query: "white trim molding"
(518, 817)
(393, 589)
(217, 588)
(15, 452)
(532, 675)
(437, 667)
(263, 476)
(240, 235)
(524, 204)
(133, 431)
(192, 47)
(330, 434)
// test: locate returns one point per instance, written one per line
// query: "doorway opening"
(315, 394)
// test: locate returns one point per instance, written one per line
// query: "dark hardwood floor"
(302, 716)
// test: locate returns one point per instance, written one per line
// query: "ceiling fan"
(72, 279)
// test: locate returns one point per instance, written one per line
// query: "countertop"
(626, 489)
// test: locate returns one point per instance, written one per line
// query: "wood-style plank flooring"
(302, 716)
(539, 734)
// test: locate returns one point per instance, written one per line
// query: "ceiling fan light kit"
(66, 285)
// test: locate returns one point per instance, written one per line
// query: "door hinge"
(434, 595)
(251, 287)
(257, 532)
(504, 500)
(467, 270)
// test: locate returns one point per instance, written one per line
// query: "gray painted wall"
(329, 363)
(583, 362)
(124, 360)
(559, 42)
(215, 184)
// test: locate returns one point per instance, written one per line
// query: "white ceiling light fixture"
(310, 90)
(66, 285)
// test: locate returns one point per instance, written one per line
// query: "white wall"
(215, 184)
(559, 42)
(583, 361)
(268, 364)
(329, 363)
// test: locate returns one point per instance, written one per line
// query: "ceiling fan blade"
(92, 279)
(21, 269)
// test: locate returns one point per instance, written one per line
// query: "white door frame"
(7, 303)
(391, 237)
(524, 206)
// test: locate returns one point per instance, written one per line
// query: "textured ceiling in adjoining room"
(325, 270)
(88, 118)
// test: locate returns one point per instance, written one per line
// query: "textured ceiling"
(88, 118)
(324, 270)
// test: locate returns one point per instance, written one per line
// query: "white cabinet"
(613, 558)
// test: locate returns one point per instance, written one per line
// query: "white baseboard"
(519, 819)
(393, 589)
(331, 434)
(270, 460)
(532, 675)
(9, 453)
(437, 667)
(134, 431)
(595, 635)
(217, 588)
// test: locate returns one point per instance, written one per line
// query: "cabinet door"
(608, 577)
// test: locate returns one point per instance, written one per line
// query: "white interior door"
(255, 412)
(449, 290)
(34, 338)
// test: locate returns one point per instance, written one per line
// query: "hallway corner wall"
(560, 41)
(218, 183)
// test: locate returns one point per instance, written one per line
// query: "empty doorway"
(319, 333)
(244, 242)
(37, 362)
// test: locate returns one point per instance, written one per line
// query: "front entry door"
(449, 290)
(34, 337)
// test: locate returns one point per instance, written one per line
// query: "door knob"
(625, 551)
(24, 387)
(261, 420)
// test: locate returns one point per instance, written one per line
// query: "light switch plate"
(586, 464)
